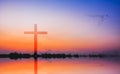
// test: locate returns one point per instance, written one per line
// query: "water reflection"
(60, 66)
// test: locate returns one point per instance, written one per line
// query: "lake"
(60, 66)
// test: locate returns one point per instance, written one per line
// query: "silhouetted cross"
(35, 32)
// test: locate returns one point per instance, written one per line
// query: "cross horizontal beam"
(30, 32)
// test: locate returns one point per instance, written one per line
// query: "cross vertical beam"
(35, 40)
(35, 32)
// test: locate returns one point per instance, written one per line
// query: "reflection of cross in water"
(35, 32)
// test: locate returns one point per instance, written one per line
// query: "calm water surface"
(60, 66)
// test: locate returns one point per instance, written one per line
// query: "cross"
(35, 32)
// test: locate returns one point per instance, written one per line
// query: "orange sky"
(26, 41)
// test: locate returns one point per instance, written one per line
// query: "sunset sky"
(72, 24)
